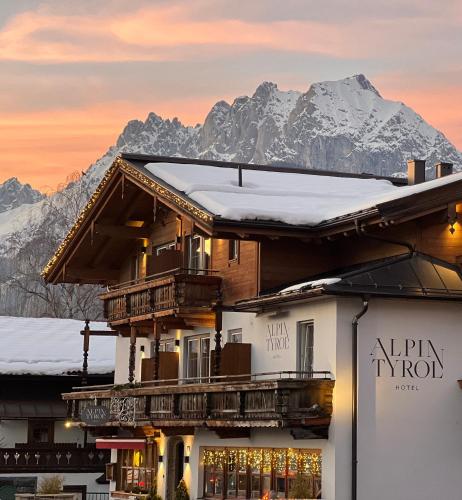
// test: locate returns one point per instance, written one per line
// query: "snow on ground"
(297, 199)
(50, 346)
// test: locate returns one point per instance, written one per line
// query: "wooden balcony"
(63, 458)
(175, 292)
(265, 400)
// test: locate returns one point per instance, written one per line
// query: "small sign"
(95, 415)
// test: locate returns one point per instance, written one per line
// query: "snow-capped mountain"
(340, 125)
(13, 194)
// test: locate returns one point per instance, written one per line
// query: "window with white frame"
(165, 247)
(233, 250)
(197, 359)
(199, 252)
(305, 342)
(235, 335)
(167, 345)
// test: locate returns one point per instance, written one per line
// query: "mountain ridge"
(13, 194)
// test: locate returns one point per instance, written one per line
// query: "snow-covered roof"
(51, 346)
(291, 198)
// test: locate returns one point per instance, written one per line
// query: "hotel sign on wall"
(410, 360)
(277, 338)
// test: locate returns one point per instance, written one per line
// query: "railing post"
(86, 346)
(69, 408)
(155, 368)
(147, 406)
(208, 404)
(282, 401)
(218, 328)
(176, 405)
(152, 299)
(131, 356)
(241, 403)
(76, 414)
(128, 306)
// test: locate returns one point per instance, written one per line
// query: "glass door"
(198, 358)
(305, 344)
(199, 249)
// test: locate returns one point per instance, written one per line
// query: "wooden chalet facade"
(222, 378)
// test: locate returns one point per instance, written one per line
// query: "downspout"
(354, 409)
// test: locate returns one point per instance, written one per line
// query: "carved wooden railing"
(268, 402)
(152, 294)
(28, 458)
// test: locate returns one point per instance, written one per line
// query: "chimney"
(415, 172)
(443, 169)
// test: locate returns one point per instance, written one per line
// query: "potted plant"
(181, 492)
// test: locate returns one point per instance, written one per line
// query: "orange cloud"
(155, 34)
(43, 148)
(437, 103)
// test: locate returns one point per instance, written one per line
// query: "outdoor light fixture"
(67, 424)
(177, 342)
(186, 459)
(161, 458)
(143, 249)
(188, 452)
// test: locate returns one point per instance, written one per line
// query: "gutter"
(354, 409)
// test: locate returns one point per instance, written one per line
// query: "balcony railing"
(174, 290)
(282, 399)
(53, 459)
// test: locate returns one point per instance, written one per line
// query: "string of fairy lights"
(265, 459)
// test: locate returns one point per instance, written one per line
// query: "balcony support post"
(86, 347)
(131, 356)
(218, 328)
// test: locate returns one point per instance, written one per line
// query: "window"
(167, 345)
(233, 249)
(40, 432)
(198, 358)
(235, 336)
(138, 468)
(255, 472)
(305, 340)
(199, 250)
(165, 247)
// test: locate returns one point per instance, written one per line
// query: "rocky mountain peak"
(14, 194)
(342, 125)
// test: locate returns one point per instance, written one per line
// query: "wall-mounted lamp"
(67, 424)
(186, 456)
(142, 348)
(452, 217)
(161, 458)
(177, 342)
(143, 249)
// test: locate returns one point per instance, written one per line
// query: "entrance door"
(175, 467)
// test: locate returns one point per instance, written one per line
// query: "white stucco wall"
(410, 428)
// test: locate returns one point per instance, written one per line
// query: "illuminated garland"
(265, 459)
(125, 167)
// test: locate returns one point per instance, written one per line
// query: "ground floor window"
(261, 473)
(137, 469)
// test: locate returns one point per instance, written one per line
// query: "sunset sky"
(73, 72)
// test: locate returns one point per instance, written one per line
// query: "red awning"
(121, 444)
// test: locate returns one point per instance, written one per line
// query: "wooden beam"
(101, 333)
(122, 232)
(99, 274)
